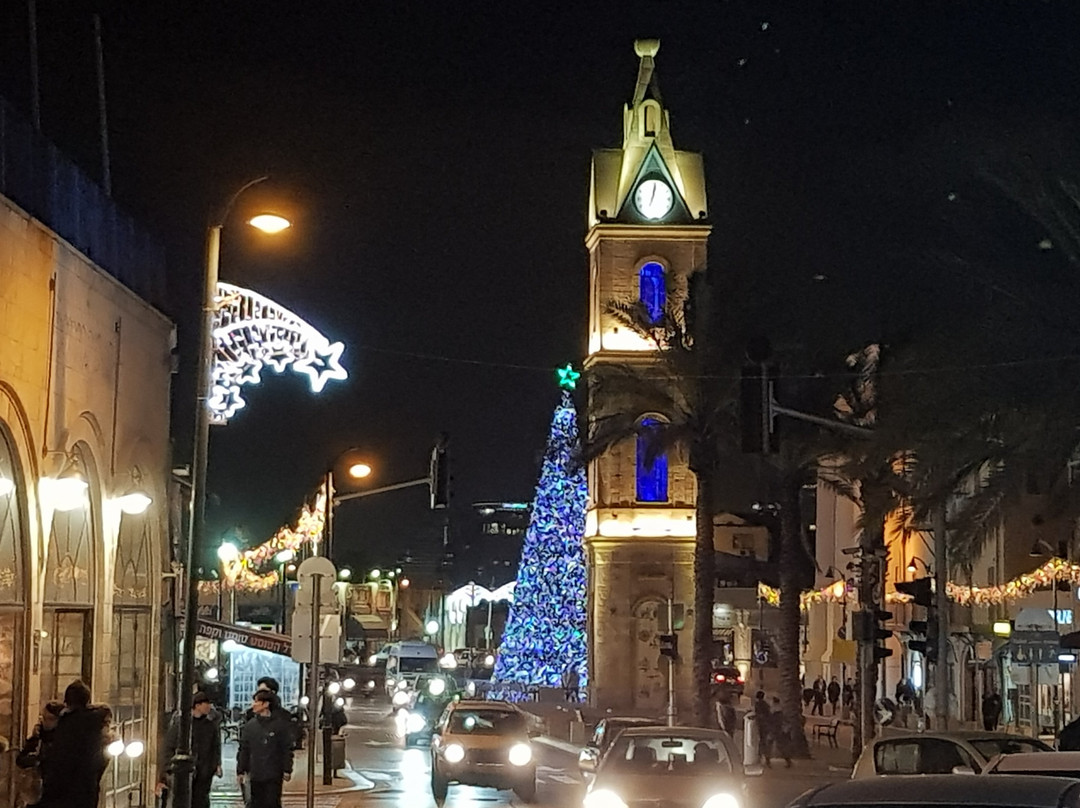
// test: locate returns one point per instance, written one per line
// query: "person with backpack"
(76, 759)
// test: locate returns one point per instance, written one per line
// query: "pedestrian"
(819, 697)
(1069, 739)
(75, 759)
(763, 717)
(205, 750)
(571, 681)
(991, 711)
(34, 757)
(849, 693)
(782, 735)
(833, 692)
(265, 759)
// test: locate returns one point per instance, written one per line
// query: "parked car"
(1044, 764)
(482, 743)
(939, 752)
(907, 791)
(605, 733)
(668, 766)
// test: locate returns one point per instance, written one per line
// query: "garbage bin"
(337, 752)
(750, 740)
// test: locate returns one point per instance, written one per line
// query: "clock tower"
(647, 233)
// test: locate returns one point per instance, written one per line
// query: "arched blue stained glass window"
(652, 290)
(651, 479)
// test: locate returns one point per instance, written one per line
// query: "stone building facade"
(85, 374)
(647, 233)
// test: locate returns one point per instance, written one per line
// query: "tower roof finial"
(646, 48)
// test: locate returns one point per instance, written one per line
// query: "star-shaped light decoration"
(279, 355)
(322, 363)
(568, 377)
(248, 370)
(225, 400)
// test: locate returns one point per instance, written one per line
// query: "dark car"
(727, 680)
(607, 730)
(946, 790)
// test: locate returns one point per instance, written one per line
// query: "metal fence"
(46, 184)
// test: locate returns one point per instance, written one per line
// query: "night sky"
(434, 158)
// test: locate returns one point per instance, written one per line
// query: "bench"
(827, 731)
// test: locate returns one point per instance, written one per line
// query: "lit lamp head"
(134, 749)
(359, 471)
(228, 552)
(269, 223)
(344, 573)
(115, 749)
(68, 490)
(134, 501)
(432, 627)
(285, 556)
(6, 486)
(375, 574)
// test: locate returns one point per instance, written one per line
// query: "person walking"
(571, 682)
(76, 759)
(763, 717)
(205, 750)
(833, 692)
(819, 697)
(991, 711)
(34, 756)
(265, 759)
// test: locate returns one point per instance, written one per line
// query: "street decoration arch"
(471, 595)
(252, 332)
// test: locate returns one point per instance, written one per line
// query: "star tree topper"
(568, 377)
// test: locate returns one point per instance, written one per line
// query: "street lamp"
(912, 569)
(183, 765)
(357, 470)
(283, 558)
(227, 553)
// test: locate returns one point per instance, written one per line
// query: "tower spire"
(646, 49)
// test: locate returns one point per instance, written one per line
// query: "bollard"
(750, 741)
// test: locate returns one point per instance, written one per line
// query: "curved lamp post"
(183, 765)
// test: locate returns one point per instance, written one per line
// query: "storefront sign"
(249, 638)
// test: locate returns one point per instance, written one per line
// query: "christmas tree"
(545, 633)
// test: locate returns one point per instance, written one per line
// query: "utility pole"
(671, 668)
(941, 603)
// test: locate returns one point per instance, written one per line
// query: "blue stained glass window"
(651, 479)
(652, 290)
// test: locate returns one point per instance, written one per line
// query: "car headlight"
(520, 754)
(489, 660)
(603, 798)
(436, 687)
(348, 683)
(454, 753)
(400, 699)
(415, 723)
(470, 689)
(390, 682)
(373, 660)
(402, 685)
(370, 684)
(721, 801)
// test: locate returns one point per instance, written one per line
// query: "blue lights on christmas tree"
(545, 633)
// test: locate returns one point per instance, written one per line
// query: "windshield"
(487, 722)
(992, 747)
(417, 665)
(668, 754)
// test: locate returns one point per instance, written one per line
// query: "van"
(406, 661)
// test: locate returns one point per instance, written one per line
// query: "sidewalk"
(346, 781)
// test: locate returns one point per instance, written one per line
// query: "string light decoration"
(1056, 569)
(251, 332)
(545, 632)
(243, 572)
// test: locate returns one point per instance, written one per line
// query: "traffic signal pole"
(671, 668)
(941, 602)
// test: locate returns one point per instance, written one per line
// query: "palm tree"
(682, 381)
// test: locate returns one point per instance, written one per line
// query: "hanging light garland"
(1056, 569)
(243, 571)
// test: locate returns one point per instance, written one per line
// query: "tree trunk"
(793, 563)
(704, 591)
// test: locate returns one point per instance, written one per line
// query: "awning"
(1070, 640)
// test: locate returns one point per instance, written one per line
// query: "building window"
(12, 536)
(68, 616)
(652, 289)
(652, 478)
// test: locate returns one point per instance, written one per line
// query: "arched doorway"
(129, 688)
(650, 682)
(12, 598)
(68, 614)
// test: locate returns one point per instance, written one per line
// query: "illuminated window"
(652, 479)
(652, 289)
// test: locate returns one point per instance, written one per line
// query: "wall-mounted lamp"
(67, 490)
(134, 501)
(6, 486)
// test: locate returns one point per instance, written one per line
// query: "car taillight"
(740, 680)
(719, 678)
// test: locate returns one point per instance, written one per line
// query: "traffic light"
(869, 628)
(921, 591)
(928, 631)
(439, 476)
(755, 409)
(669, 645)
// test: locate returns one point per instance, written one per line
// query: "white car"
(1044, 764)
(906, 791)
(958, 752)
(673, 767)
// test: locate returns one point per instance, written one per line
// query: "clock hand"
(653, 197)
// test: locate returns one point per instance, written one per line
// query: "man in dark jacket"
(265, 758)
(78, 746)
(205, 749)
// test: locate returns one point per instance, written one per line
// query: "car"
(1044, 764)
(673, 767)
(727, 680)
(938, 752)
(607, 730)
(915, 791)
(482, 743)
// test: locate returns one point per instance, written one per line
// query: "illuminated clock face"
(653, 199)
